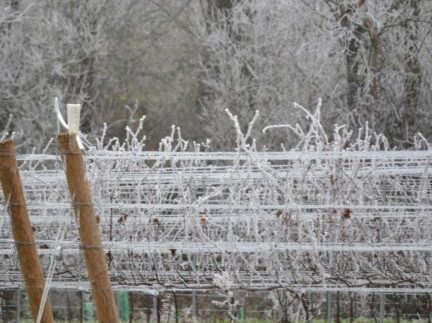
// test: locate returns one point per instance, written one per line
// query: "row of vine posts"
(90, 241)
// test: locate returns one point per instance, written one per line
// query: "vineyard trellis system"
(171, 221)
(181, 219)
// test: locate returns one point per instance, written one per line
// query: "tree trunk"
(355, 77)
(6, 32)
(413, 79)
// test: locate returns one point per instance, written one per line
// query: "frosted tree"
(48, 49)
(368, 60)
(97, 53)
(185, 62)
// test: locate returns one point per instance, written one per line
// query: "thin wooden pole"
(159, 308)
(381, 308)
(82, 303)
(106, 309)
(329, 310)
(22, 231)
(176, 312)
(131, 307)
(18, 310)
(194, 304)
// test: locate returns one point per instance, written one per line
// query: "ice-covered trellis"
(346, 214)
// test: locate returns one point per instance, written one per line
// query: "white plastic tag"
(73, 113)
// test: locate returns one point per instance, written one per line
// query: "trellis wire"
(166, 217)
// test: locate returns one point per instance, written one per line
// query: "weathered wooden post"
(329, 309)
(22, 230)
(381, 308)
(194, 305)
(18, 305)
(79, 187)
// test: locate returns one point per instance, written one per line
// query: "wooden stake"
(22, 231)
(94, 255)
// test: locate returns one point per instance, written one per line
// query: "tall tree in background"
(185, 62)
(413, 78)
(84, 15)
(9, 90)
(364, 57)
(47, 50)
(382, 45)
(237, 85)
(244, 66)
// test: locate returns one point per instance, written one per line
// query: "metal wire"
(313, 221)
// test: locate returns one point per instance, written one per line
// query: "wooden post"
(106, 309)
(82, 307)
(381, 308)
(22, 231)
(18, 310)
(131, 307)
(194, 305)
(329, 310)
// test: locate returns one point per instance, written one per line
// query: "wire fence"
(320, 233)
(307, 223)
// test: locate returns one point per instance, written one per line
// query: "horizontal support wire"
(174, 221)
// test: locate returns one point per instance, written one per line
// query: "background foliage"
(184, 62)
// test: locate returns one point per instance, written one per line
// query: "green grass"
(252, 320)
(239, 321)
(357, 320)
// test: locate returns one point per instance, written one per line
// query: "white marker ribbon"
(73, 111)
